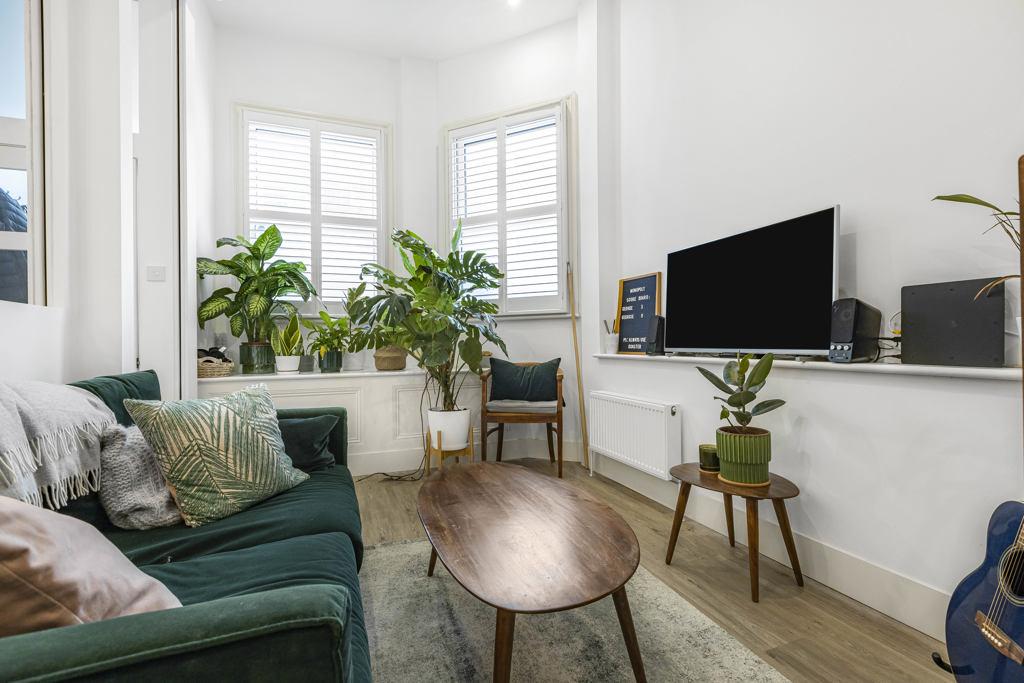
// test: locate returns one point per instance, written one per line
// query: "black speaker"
(855, 331)
(656, 336)
(943, 324)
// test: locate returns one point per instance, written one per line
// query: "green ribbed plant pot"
(744, 455)
(256, 358)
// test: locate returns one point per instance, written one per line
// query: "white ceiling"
(428, 29)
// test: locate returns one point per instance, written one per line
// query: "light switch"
(156, 273)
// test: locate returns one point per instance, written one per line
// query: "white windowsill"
(1005, 374)
(315, 376)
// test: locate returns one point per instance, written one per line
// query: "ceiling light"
(513, 3)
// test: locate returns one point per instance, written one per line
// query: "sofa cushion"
(306, 441)
(114, 389)
(220, 455)
(325, 503)
(59, 571)
(327, 558)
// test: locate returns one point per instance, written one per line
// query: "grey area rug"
(430, 629)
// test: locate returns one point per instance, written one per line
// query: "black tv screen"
(769, 289)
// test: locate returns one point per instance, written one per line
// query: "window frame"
(562, 111)
(21, 149)
(317, 123)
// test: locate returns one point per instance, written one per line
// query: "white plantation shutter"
(322, 184)
(507, 187)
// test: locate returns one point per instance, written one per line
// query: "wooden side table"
(777, 491)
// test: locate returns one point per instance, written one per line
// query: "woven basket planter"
(389, 358)
(213, 367)
(744, 455)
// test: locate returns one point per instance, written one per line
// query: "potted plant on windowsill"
(328, 340)
(287, 345)
(260, 296)
(743, 451)
(435, 314)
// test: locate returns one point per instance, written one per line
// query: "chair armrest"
(252, 638)
(339, 435)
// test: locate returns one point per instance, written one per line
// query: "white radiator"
(643, 434)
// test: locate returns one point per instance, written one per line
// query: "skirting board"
(900, 597)
(406, 459)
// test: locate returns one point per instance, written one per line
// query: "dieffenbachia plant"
(263, 286)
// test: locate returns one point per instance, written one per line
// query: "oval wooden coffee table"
(527, 543)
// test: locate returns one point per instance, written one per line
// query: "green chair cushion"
(114, 389)
(511, 382)
(306, 441)
(325, 503)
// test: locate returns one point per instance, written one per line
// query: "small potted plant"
(264, 284)
(328, 339)
(287, 345)
(743, 451)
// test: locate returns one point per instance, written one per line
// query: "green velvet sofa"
(268, 594)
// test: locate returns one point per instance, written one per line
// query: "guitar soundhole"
(1011, 574)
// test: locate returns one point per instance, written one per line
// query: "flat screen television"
(765, 290)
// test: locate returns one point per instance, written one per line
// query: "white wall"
(32, 346)
(536, 68)
(732, 115)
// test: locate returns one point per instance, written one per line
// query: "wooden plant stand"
(777, 491)
(441, 453)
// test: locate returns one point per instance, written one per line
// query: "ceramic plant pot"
(453, 425)
(331, 361)
(708, 458)
(744, 454)
(256, 358)
(307, 363)
(287, 364)
(389, 358)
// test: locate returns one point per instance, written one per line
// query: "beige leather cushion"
(58, 571)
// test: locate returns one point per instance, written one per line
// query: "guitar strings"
(1012, 573)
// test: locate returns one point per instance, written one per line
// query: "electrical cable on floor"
(420, 470)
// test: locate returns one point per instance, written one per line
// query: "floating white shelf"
(1005, 374)
(323, 376)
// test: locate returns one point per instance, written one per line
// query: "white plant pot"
(355, 362)
(453, 425)
(287, 363)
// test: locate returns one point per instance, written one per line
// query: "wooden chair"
(502, 415)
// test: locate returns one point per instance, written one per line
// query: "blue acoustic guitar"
(985, 619)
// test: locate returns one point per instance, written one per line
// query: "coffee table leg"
(752, 551)
(629, 634)
(677, 521)
(433, 561)
(504, 630)
(728, 518)
(787, 536)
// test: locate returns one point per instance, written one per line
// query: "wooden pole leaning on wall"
(579, 368)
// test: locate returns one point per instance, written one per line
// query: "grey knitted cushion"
(133, 491)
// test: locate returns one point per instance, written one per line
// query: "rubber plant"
(1007, 221)
(743, 451)
(264, 285)
(435, 312)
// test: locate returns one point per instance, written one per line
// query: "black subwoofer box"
(943, 324)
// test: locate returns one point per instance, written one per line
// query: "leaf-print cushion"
(219, 455)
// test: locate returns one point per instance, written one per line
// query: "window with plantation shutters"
(322, 183)
(507, 187)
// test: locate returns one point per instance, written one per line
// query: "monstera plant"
(744, 451)
(435, 312)
(264, 286)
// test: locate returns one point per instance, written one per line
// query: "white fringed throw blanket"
(50, 442)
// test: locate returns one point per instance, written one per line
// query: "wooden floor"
(809, 634)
